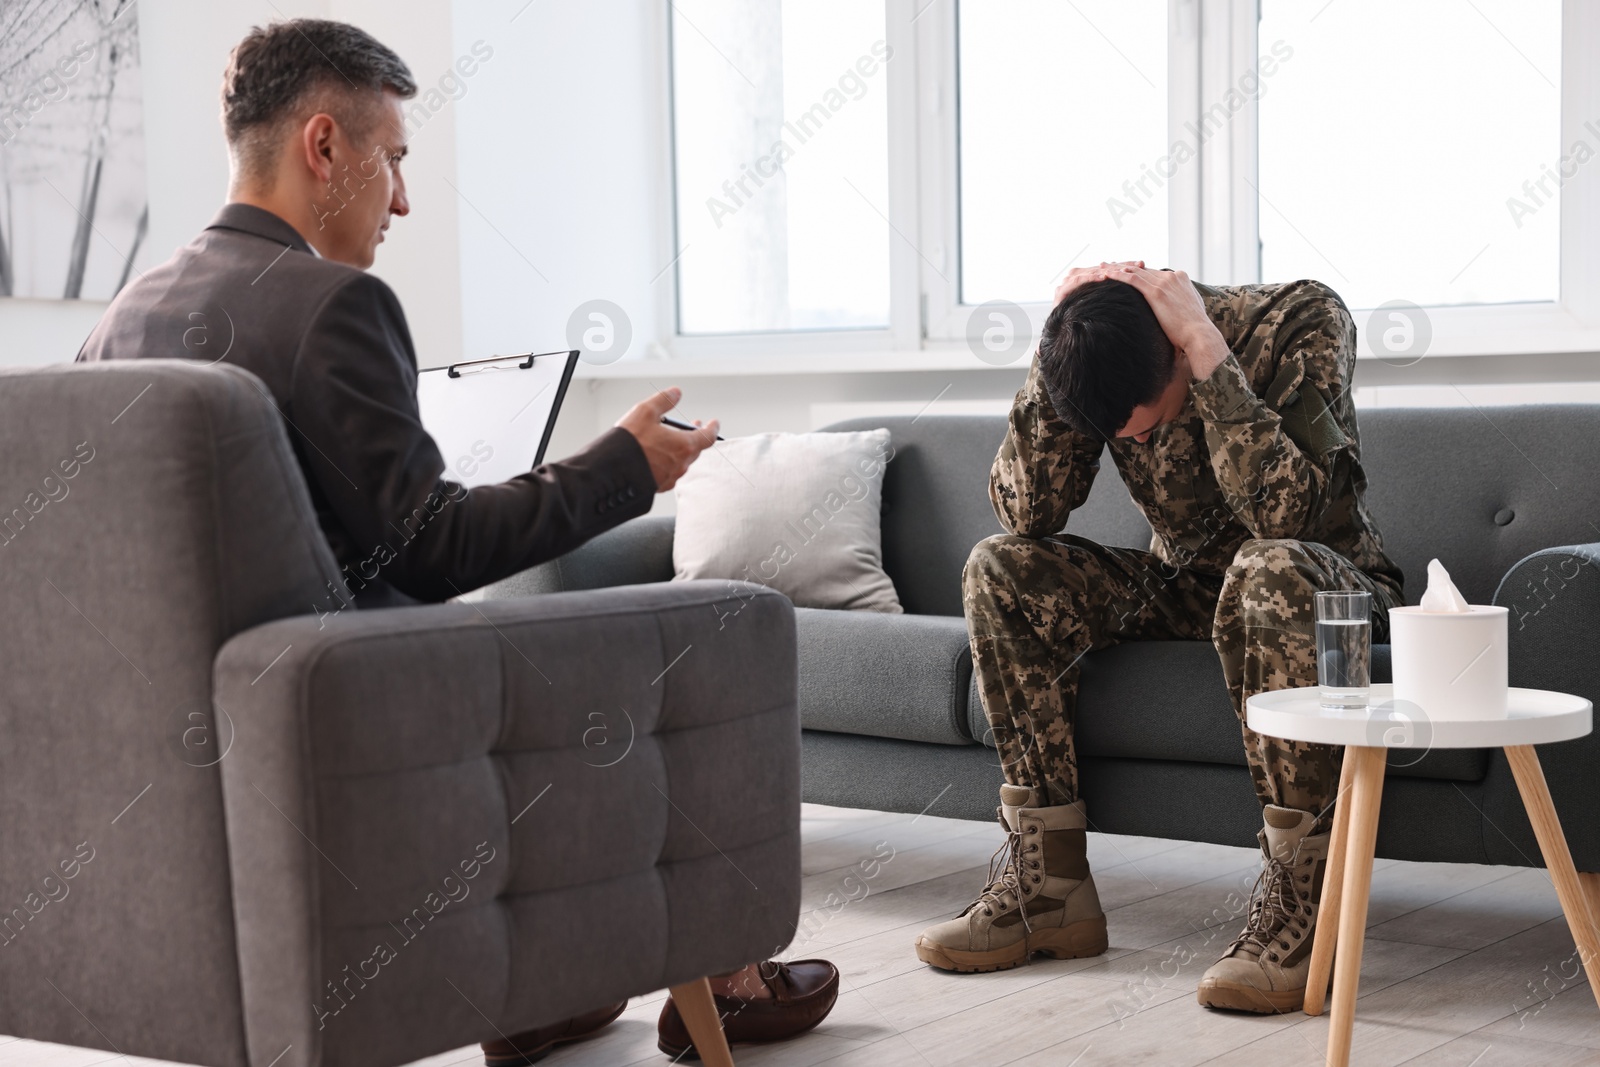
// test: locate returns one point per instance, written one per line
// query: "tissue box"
(1450, 664)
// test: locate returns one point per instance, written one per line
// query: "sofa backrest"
(1477, 487)
(149, 510)
(1480, 487)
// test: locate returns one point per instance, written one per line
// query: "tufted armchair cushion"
(580, 752)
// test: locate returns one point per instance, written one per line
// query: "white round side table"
(1536, 717)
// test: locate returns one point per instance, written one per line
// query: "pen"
(678, 424)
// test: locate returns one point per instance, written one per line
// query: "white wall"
(565, 197)
(559, 155)
(44, 331)
(421, 255)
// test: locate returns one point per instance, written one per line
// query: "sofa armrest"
(449, 820)
(1554, 599)
(637, 552)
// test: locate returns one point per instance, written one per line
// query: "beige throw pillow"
(796, 512)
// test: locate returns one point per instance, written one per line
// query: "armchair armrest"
(634, 553)
(1554, 599)
(450, 820)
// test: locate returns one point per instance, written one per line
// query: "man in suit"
(277, 284)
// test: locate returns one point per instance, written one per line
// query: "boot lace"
(1274, 905)
(1005, 879)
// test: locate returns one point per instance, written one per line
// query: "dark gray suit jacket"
(332, 346)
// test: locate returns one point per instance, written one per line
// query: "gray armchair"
(242, 825)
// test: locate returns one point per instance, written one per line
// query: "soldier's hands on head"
(1079, 275)
(1181, 313)
(669, 449)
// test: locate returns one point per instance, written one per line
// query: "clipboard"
(492, 418)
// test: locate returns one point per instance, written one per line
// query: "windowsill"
(960, 359)
(1491, 338)
(755, 363)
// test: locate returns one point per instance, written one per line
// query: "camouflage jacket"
(1264, 448)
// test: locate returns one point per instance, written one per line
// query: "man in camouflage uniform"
(1248, 468)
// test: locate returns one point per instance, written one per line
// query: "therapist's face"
(367, 188)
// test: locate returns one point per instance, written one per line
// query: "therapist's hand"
(669, 450)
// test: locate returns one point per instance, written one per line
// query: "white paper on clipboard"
(492, 418)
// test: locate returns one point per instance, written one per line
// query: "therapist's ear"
(316, 138)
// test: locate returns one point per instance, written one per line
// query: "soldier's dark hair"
(296, 68)
(1101, 354)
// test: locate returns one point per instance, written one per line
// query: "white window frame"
(901, 332)
(946, 316)
(1213, 222)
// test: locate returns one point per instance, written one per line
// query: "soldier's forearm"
(1044, 468)
(1021, 492)
(1269, 483)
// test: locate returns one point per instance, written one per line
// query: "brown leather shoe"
(803, 993)
(531, 1046)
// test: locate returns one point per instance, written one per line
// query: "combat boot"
(1265, 969)
(1040, 896)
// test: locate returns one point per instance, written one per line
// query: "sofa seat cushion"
(901, 676)
(1167, 700)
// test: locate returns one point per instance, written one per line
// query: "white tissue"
(1442, 594)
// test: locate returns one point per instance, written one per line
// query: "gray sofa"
(892, 720)
(239, 825)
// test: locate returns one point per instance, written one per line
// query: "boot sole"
(1229, 997)
(1086, 937)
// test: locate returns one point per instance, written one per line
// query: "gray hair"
(278, 68)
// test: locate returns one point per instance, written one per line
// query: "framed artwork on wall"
(74, 209)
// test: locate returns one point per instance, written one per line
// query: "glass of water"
(1344, 649)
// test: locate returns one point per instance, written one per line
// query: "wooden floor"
(1465, 966)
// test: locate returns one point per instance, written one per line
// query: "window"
(914, 175)
(780, 118)
(1063, 140)
(1419, 162)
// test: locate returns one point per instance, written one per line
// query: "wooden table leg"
(1553, 843)
(1366, 796)
(699, 1013)
(1332, 894)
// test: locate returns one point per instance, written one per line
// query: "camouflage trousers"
(1035, 607)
